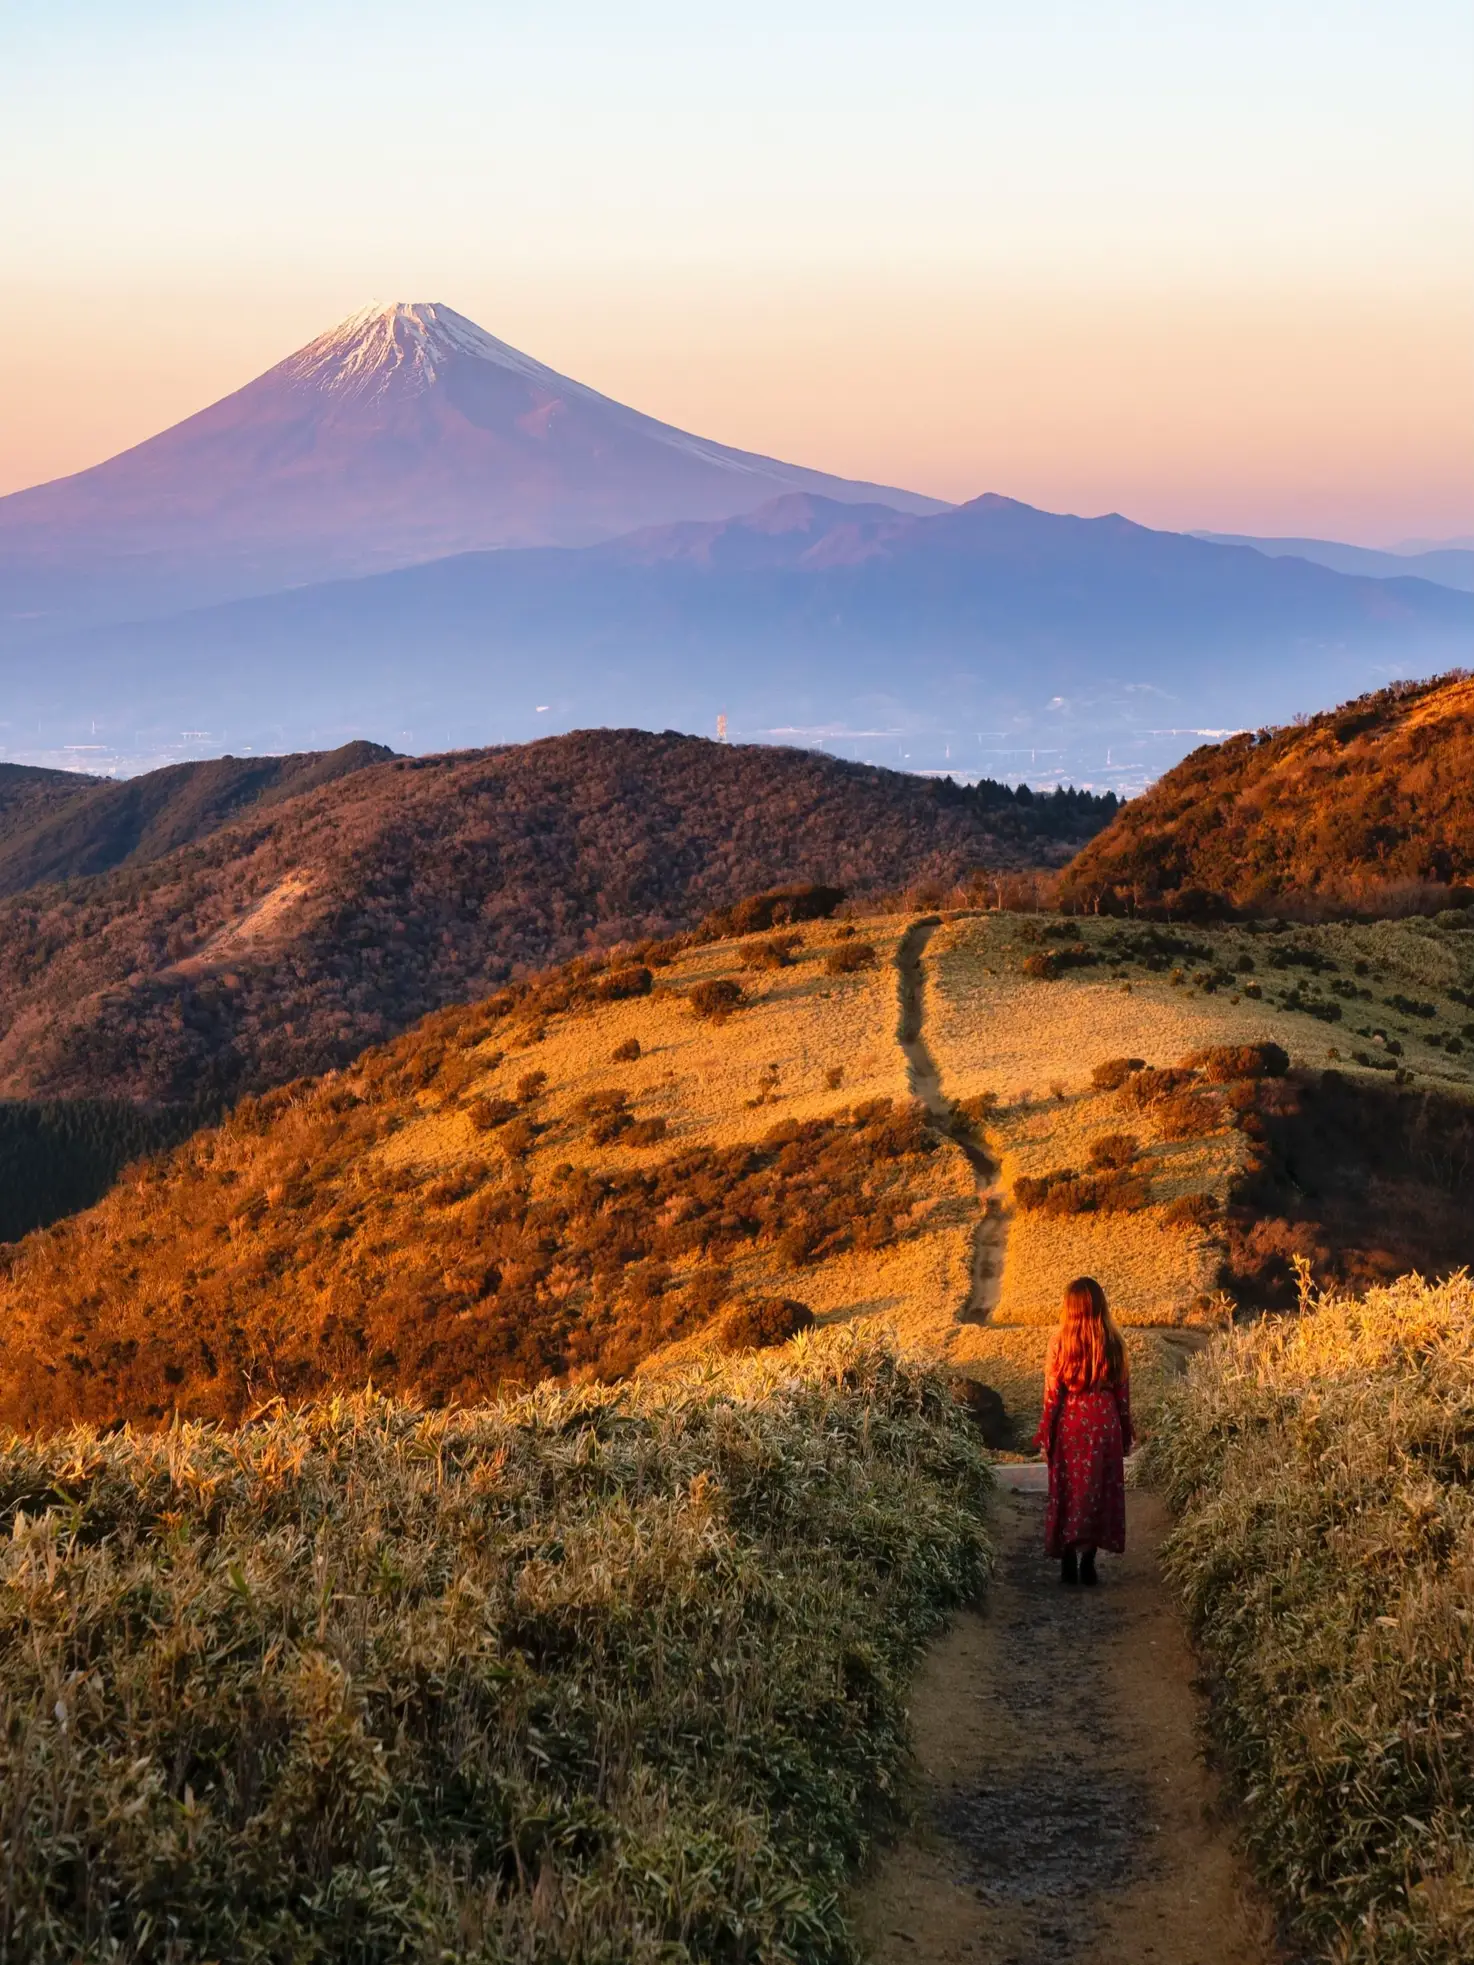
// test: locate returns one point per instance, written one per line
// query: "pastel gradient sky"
(1209, 265)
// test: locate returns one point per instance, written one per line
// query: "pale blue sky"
(667, 199)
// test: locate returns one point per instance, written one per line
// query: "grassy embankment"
(1373, 1019)
(1325, 1553)
(601, 1674)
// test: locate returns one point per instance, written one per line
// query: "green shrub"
(1321, 1469)
(598, 1675)
(1114, 1150)
(626, 1052)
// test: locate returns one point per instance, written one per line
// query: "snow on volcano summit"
(403, 345)
(403, 434)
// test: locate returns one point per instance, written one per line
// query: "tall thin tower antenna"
(722, 727)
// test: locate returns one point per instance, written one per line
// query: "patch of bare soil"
(1065, 1811)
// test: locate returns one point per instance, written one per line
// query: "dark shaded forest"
(286, 941)
(60, 1155)
(1367, 809)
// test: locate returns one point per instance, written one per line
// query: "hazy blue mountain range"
(991, 637)
(403, 434)
(1450, 564)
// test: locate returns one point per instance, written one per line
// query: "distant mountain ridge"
(403, 434)
(1449, 565)
(309, 926)
(972, 637)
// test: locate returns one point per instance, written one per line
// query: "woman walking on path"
(1085, 1433)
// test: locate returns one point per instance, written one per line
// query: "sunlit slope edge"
(1369, 807)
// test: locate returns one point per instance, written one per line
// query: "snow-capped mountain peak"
(402, 345)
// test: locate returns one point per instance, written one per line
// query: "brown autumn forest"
(64, 825)
(287, 940)
(1368, 808)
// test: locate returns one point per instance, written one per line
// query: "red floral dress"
(1086, 1436)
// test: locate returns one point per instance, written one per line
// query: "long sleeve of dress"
(1123, 1406)
(1054, 1392)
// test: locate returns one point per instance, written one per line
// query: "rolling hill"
(57, 825)
(286, 940)
(1368, 807)
(994, 638)
(404, 433)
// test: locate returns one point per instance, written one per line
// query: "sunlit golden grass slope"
(1320, 1466)
(806, 1045)
(447, 1215)
(1031, 1045)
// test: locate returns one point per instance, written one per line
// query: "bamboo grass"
(1322, 1468)
(602, 1675)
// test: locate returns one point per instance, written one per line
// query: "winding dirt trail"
(1065, 1813)
(991, 1234)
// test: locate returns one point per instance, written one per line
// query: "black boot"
(1087, 1567)
(1068, 1572)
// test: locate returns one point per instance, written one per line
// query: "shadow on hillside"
(1365, 1180)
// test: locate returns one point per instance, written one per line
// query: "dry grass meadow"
(617, 1674)
(1320, 1466)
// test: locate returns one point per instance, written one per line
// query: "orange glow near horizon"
(1322, 413)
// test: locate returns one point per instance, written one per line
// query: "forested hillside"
(57, 825)
(288, 940)
(1367, 808)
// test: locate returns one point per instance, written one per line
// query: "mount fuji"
(404, 434)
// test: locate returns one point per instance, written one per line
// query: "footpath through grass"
(610, 1675)
(1325, 1551)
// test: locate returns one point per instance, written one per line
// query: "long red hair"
(1087, 1352)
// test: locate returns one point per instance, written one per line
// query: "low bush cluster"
(1049, 964)
(1113, 1191)
(776, 952)
(603, 1675)
(757, 1323)
(848, 958)
(1322, 1472)
(1224, 1064)
(717, 997)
